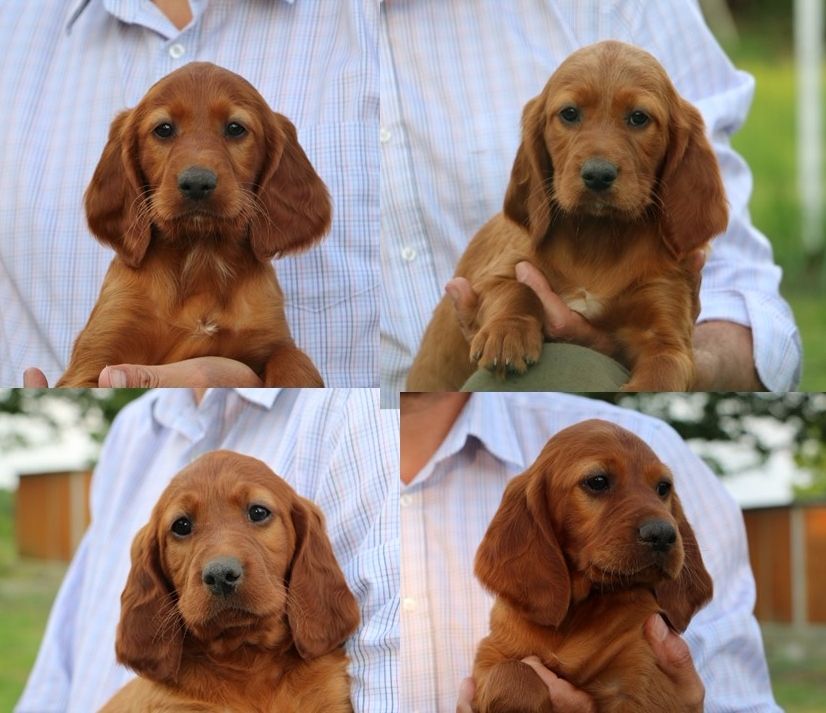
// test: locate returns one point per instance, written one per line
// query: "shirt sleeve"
(741, 282)
(724, 637)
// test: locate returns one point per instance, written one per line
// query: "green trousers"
(562, 367)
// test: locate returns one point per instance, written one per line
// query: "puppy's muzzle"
(222, 576)
(658, 534)
(197, 183)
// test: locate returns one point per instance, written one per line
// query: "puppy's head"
(203, 157)
(596, 512)
(609, 136)
(231, 557)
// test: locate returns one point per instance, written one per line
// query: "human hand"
(564, 697)
(33, 378)
(466, 690)
(197, 372)
(674, 659)
(560, 323)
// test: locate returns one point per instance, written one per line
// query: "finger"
(674, 658)
(129, 376)
(564, 697)
(557, 313)
(465, 304)
(466, 690)
(561, 322)
(33, 378)
(697, 260)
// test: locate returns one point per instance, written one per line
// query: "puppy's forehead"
(224, 474)
(609, 66)
(601, 441)
(202, 82)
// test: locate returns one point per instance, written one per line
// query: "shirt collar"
(78, 6)
(489, 421)
(484, 418)
(172, 407)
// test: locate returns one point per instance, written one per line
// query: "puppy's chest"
(592, 287)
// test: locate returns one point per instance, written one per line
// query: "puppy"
(235, 601)
(613, 186)
(586, 545)
(198, 187)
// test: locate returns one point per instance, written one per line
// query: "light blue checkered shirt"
(334, 446)
(68, 67)
(447, 508)
(454, 79)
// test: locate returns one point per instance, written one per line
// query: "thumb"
(33, 378)
(129, 376)
(674, 658)
(465, 304)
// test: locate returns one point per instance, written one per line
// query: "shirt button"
(176, 50)
(405, 500)
(409, 604)
(408, 254)
(384, 135)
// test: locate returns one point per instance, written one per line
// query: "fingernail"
(659, 628)
(452, 292)
(466, 688)
(117, 377)
(521, 272)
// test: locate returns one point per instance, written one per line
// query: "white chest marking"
(206, 328)
(585, 303)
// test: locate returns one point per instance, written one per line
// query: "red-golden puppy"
(199, 186)
(613, 186)
(235, 601)
(587, 544)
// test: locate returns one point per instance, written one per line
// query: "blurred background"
(784, 54)
(49, 442)
(769, 451)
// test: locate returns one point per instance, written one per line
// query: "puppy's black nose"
(222, 575)
(197, 183)
(598, 174)
(659, 534)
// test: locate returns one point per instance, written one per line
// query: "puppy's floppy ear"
(148, 640)
(113, 197)
(680, 598)
(694, 207)
(321, 609)
(528, 198)
(520, 558)
(296, 201)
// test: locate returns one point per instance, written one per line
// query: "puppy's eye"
(597, 483)
(164, 130)
(235, 129)
(258, 513)
(663, 488)
(570, 115)
(637, 119)
(182, 526)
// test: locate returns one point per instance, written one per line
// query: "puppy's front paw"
(508, 346)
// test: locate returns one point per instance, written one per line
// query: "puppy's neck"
(202, 264)
(591, 237)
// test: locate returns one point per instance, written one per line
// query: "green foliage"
(729, 417)
(768, 143)
(92, 409)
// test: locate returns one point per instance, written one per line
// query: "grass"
(797, 660)
(27, 590)
(768, 143)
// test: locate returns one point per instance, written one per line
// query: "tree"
(53, 409)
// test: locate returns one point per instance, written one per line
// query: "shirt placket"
(418, 648)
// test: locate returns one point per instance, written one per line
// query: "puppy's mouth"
(654, 569)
